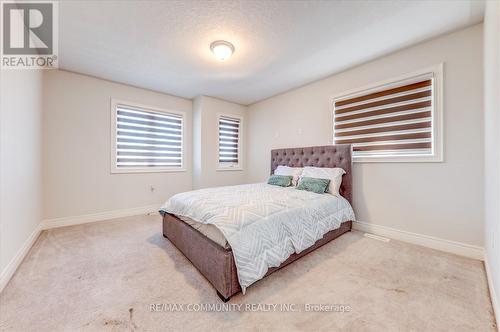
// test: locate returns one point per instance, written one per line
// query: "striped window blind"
(389, 121)
(147, 139)
(229, 139)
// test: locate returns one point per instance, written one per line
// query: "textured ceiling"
(164, 45)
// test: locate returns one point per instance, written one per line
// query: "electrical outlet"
(152, 188)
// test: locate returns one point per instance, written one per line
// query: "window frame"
(142, 169)
(239, 166)
(437, 115)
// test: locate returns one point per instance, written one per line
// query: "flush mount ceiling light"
(222, 49)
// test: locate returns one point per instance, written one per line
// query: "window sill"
(145, 170)
(399, 159)
(222, 169)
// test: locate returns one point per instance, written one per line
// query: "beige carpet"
(105, 276)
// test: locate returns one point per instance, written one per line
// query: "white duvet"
(263, 224)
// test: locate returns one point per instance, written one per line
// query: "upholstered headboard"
(338, 155)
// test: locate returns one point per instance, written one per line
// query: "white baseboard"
(453, 247)
(11, 268)
(493, 293)
(93, 217)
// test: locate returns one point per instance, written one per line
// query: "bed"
(218, 260)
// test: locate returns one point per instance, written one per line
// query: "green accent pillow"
(318, 186)
(280, 180)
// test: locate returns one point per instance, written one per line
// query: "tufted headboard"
(338, 155)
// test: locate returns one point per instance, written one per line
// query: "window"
(145, 139)
(398, 121)
(229, 142)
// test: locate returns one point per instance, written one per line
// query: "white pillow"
(333, 174)
(289, 171)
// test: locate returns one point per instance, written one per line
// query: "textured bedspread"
(263, 224)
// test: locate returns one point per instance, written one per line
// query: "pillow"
(318, 186)
(293, 171)
(333, 174)
(280, 180)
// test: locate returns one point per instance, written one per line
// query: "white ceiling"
(164, 45)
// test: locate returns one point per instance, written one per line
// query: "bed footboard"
(213, 261)
(217, 263)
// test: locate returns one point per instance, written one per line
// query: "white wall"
(76, 149)
(20, 162)
(492, 146)
(197, 146)
(443, 200)
(205, 164)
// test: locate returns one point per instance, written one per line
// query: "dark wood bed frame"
(217, 263)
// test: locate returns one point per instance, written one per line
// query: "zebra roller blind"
(229, 139)
(147, 139)
(389, 121)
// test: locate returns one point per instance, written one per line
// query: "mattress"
(263, 224)
(209, 230)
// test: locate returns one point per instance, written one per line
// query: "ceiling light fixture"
(222, 49)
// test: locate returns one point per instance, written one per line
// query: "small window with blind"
(145, 139)
(229, 142)
(398, 121)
